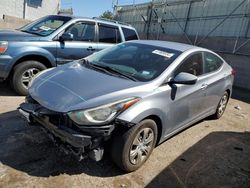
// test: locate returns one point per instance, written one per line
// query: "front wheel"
(23, 74)
(132, 147)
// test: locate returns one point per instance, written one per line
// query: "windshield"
(45, 26)
(140, 61)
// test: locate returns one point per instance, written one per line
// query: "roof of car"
(166, 44)
(108, 21)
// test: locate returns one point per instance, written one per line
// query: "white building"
(29, 9)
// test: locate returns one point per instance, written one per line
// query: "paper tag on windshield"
(162, 53)
(45, 28)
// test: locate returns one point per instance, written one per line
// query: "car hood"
(74, 86)
(15, 35)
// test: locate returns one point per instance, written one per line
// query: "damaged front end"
(81, 140)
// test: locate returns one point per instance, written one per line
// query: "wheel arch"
(158, 122)
(44, 60)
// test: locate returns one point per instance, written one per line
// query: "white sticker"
(45, 28)
(162, 53)
(145, 72)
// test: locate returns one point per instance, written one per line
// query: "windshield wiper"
(109, 69)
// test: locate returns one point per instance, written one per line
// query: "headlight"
(101, 114)
(3, 46)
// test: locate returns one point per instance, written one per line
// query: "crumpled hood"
(73, 86)
(15, 35)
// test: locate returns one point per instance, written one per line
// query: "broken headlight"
(101, 114)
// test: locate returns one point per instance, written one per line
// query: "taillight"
(233, 72)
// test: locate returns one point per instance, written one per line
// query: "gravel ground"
(212, 153)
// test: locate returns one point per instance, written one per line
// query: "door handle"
(90, 48)
(204, 86)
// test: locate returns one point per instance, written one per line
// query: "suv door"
(187, 101)
(108, 35)
(82, 45)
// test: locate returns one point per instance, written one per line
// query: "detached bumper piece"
(87, 141)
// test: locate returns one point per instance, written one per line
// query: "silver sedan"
(135, 95)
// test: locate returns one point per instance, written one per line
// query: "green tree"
(108, 15)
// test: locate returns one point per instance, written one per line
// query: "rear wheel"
(131, 148)
(221, 106)
(23, 74)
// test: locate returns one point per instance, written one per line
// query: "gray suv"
(54, 40)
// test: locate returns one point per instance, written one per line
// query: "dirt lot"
(208, 154)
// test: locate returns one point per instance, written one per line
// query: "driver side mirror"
(184, 78)
(66, 37)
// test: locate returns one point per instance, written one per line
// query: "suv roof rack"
(113, 21)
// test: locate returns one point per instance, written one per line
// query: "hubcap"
(28, 75)
(142, 146)
(222, 105)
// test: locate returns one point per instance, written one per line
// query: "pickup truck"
(55, 40)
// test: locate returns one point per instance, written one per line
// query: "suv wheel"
(23, 74)
(132, 147)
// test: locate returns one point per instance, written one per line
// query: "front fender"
(27, 51)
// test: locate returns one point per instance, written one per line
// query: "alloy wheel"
(28, 75)
(141, 146)
(222, 104)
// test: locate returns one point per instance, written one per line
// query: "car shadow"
(241, 94)
(28, 149)
(221, 159)
(6, 90)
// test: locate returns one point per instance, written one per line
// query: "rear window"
(109, 34)
(129, 34)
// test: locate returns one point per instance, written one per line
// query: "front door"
(187, 100)
(82, 45)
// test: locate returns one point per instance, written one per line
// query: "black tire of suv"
(217, 114)
(16, 81)
(122, 143)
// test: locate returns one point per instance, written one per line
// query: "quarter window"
(82, 31)
(192, 65)
(109, 34)
(211, 62)
(129, 34)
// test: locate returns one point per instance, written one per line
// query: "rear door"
(108, 35)
(83, 43)
(215, 80)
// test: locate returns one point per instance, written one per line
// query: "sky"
(93, 8)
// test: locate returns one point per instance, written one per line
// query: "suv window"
(129, 34)
(212, 62)
(193, 65)
(109, 34)
(82, 31)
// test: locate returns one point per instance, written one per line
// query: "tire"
(22, 75)
(125, 141)
(221, 106)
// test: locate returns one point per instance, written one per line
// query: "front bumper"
(70, 137)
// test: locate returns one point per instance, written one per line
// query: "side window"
(82, 31)
(192, 65)
(109, 34)
(211, 62)
(129, 34)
